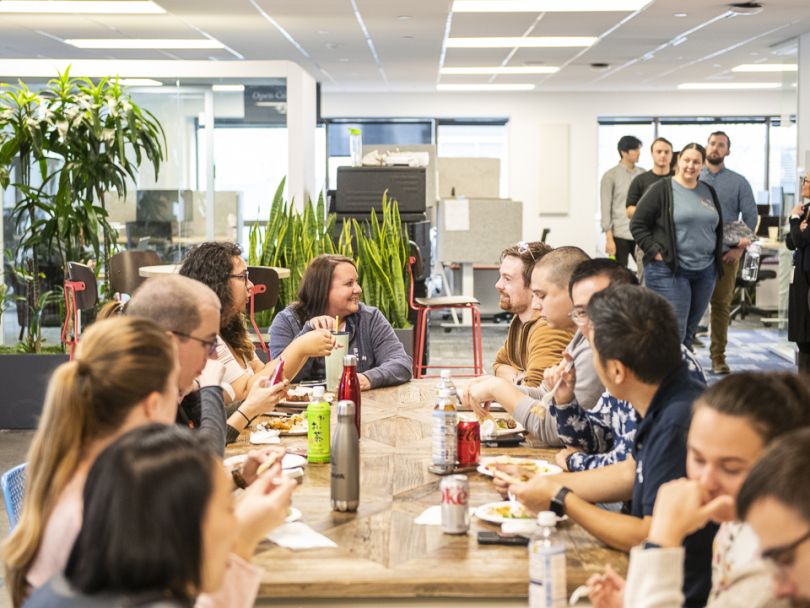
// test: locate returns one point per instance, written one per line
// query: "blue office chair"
(12, 483)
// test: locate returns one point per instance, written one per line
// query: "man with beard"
(736, 199)
(531, 345)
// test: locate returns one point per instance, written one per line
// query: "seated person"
(137, 487)
(604, 434)
(636, 348)
(775, 502)
(124, 376)
(550, 278)
(330, 289)
(220, 266)
(731, 427)
(531, 345)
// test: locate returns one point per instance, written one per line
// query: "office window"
(476, 141)
(609, 136)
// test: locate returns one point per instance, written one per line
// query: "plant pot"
(406, 336)
(24, 379)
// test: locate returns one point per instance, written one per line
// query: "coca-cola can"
(469, 442)
(455, 491)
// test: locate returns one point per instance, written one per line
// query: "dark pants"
(625, 249)
(688, 291)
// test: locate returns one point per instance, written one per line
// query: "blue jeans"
(689, 292)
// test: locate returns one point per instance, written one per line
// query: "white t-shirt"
(233, 371)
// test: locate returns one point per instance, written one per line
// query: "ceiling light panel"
(144, 43)
(80, 7)
(766, 67)
(510, 42)
(508, 70)
(727, 86)
(542, 6)
(484, 87)
(139, 82)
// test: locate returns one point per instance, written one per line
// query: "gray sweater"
(587, 391)
(57, 593)
(380, 355)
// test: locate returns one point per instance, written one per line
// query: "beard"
(505, 302)
(714, 160)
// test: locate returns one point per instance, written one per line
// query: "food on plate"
(506, 423)
(513, 510)
(288, 423)
(526, 468)
(299, 394)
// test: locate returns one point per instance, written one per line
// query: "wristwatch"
(557, 505)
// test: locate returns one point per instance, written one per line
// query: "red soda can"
(455, 491)
(469, 442)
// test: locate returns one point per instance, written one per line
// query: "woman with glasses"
(221, 267)
(732, 424)
(677, 224)
(799, 241)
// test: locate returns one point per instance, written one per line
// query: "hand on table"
(683, 507)
(561, 457)
(365, 383)
(477, 395)
(606, 590)
(536, 494)
(257, 458)
(263, 397)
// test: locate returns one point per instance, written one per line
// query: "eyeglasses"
(579, 316)
(523, 247)
(245, 276)
(780, 559)
(211, 345)
(802, 181)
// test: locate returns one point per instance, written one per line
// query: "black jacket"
(653, 225)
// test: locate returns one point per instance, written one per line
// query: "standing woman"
(677, 225)
(799, 241)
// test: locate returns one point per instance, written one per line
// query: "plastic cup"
(334, 360)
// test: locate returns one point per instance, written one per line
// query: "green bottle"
(318, 420)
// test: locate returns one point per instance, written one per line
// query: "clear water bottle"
(345, 488)
(750, 265)
(547, 565)
(444, 445)
(446, 381)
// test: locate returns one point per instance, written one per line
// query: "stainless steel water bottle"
(345, 460)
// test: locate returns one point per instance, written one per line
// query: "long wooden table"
(381, 553)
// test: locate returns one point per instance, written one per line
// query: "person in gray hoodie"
(329, 289)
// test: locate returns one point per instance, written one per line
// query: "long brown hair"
(211, 263)
(120, 362)
(313, 294)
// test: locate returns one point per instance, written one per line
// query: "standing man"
(661, 150)
(615, 185)
(531, 345)
(736, 199)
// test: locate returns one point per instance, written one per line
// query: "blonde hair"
(120, 362)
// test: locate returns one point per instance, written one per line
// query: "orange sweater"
(531, 348)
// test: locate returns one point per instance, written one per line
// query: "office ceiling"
(650, 49)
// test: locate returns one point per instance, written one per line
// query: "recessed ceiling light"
(550, 6)
(99, 7)
(766, 67)
(522, 42)
(144, 43)
(719, 86)
(544, 69)
(344, 60)
(228, 88)
(680, 15)
(404, 17)
(139, 82)
(484, 87)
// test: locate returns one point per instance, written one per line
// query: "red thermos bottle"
(349, 387)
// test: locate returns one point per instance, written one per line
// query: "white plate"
(499, 432)
(300, 429)
(290, 461)
(488, 512)
(543, 467)
(294, 515)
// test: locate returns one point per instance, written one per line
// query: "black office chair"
(124, 277)
(264, 296)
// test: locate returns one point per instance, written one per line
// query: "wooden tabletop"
(153, 271)
(381, 553)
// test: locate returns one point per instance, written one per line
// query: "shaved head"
(173, 302)
(559, 264)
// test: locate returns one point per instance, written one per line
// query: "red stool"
(423, 306)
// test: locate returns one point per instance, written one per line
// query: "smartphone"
(278, 375)
(485, 537)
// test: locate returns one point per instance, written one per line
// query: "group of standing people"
(676, 215)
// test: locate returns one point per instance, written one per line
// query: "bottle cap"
(318, 392)
(346, 408)
(445, 392)
(350, 360)
(547, 519)
(446, 374)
